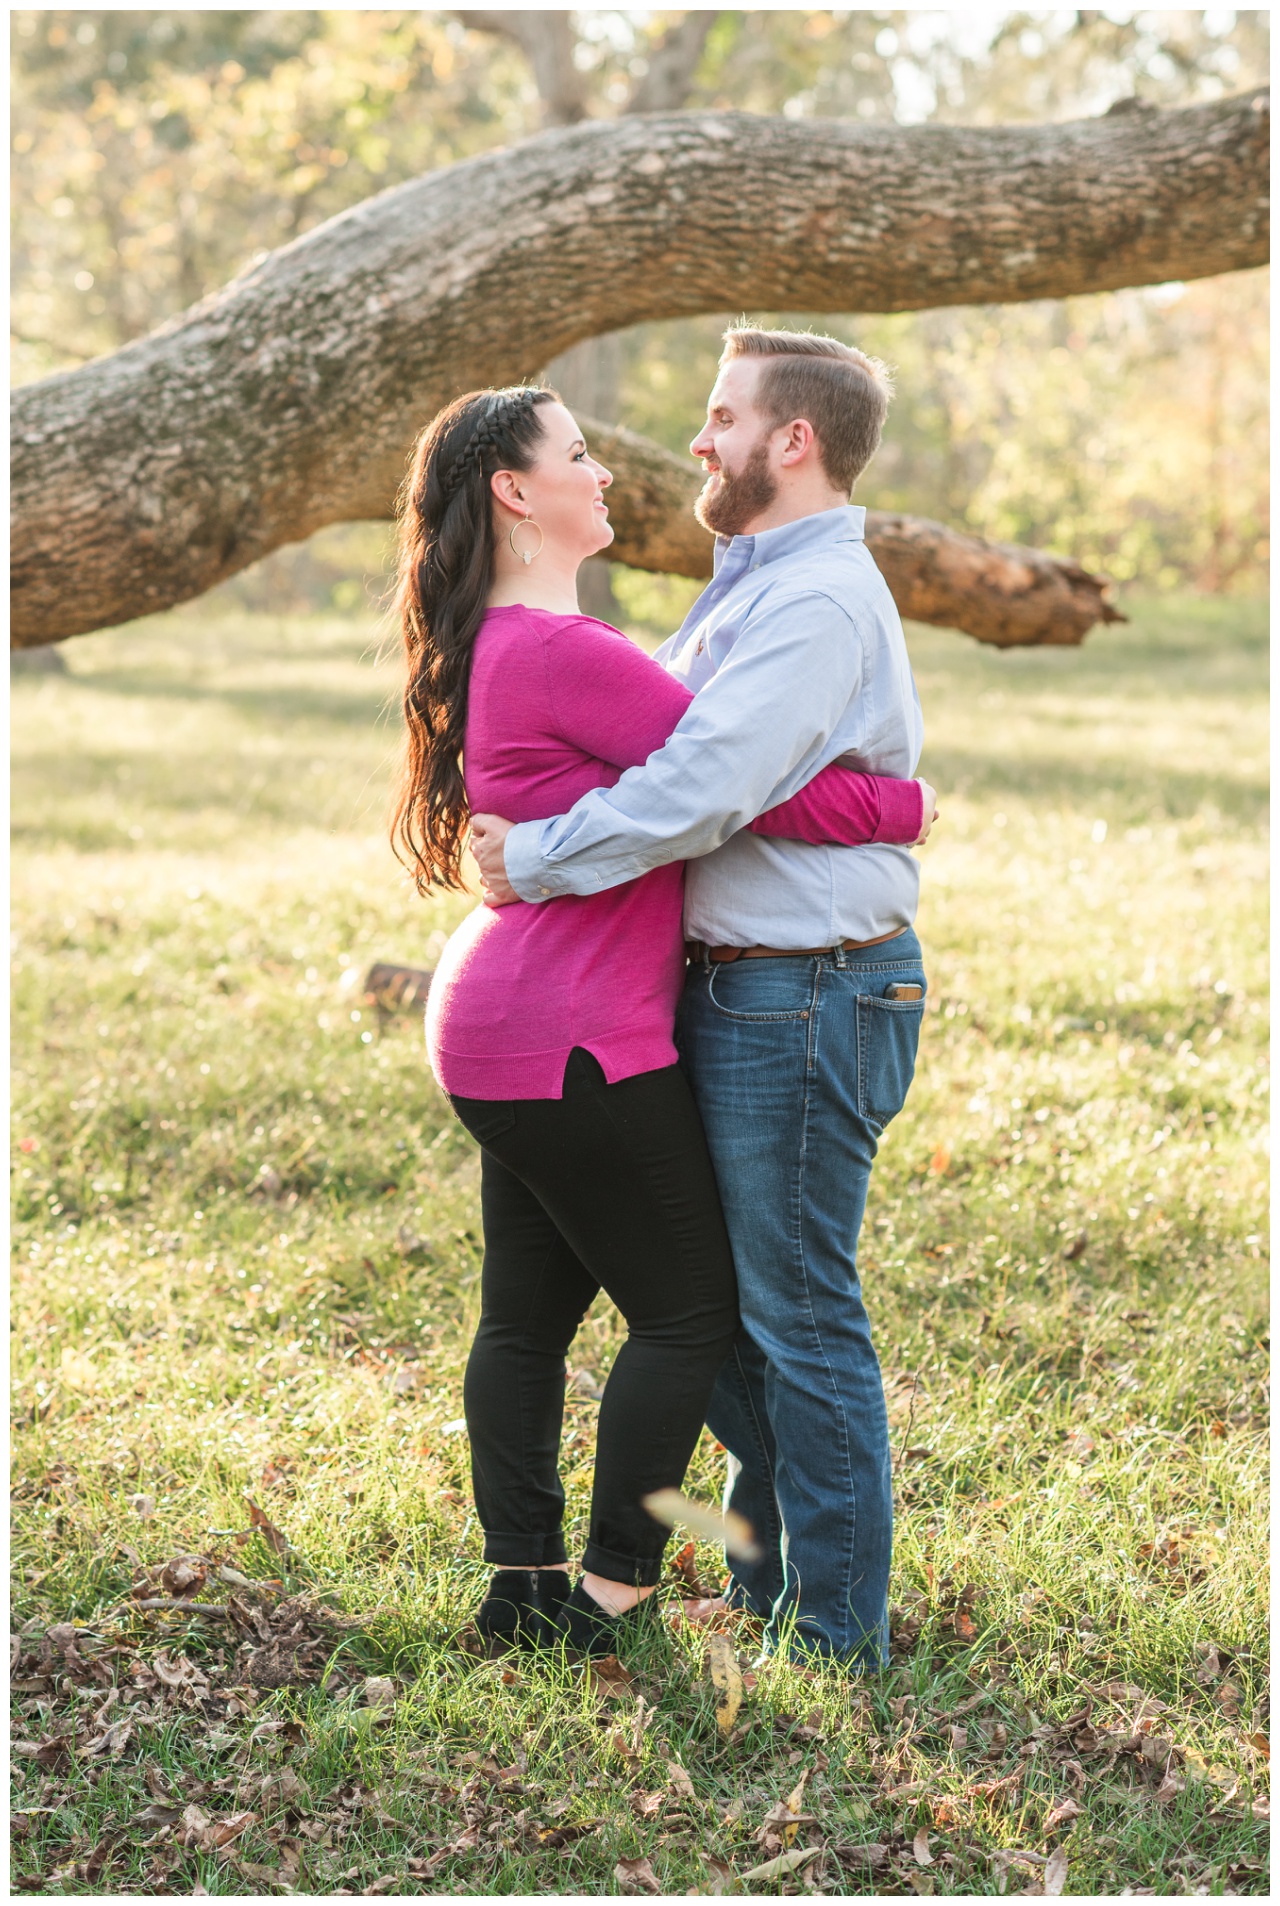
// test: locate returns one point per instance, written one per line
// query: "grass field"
(247, 1246)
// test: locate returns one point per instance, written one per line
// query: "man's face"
(735, 446)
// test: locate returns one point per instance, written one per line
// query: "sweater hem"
(540, 1074)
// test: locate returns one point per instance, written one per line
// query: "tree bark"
(257, 417)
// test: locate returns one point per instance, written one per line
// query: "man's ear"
(798, 441)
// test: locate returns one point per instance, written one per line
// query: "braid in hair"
(444, 575)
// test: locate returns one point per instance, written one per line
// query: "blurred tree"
(157, 154)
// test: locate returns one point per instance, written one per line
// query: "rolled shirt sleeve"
(750, 738)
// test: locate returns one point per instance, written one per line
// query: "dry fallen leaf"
(920, 1848)
(684, 1565)
(380, 1690)
(720, 1876)
(678, 1781)
(726, 1678)
(1055, 1873)
(872, 1855)
(1124, 1694)
(1060, 1813)
(274, 1538)
(795, 1801)
(113, 1741)
(785, 1863)
(610, 1680)
(636, 1876)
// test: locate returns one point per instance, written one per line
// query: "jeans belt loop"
(841, 961)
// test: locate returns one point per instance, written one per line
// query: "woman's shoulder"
(549, 624)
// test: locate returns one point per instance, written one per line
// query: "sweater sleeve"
(841, 807)
(607, 696)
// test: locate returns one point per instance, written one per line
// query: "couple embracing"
(692, 1000)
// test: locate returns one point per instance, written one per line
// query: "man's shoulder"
(844, 579)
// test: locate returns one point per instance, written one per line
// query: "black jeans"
(609, 1187)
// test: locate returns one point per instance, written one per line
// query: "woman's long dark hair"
(444, 575)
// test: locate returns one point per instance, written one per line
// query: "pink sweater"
(559, 705)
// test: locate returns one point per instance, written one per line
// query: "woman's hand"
(930, 813)
(488, 833)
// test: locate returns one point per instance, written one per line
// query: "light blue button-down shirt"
(796, 657)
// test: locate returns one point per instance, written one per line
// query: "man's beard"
(728, 506)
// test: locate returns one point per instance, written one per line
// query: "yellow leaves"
(712, 1524)
(793, 1807)
(726, 1678)
(77, 1371)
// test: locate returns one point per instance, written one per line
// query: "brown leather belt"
(703, 955)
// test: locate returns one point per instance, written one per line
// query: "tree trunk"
(262, 414)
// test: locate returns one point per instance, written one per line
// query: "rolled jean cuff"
(525, 1551)
(637, 1571)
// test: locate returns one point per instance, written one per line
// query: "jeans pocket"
(485, 1119)
(888, 1036)
(761, 989)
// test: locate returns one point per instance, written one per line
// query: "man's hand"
(930, 813)
(488, 834)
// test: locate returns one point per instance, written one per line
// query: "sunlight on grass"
(247, 1249)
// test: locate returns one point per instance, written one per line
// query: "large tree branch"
(144, 478)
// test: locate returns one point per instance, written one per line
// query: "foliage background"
(158, 153)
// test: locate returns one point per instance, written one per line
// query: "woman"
(550, 1028)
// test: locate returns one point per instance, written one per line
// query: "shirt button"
(544, 890)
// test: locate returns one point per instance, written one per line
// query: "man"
(802, 1008)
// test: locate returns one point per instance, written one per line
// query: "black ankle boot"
(588, 1628)
(510, 1612)
(553, 1593)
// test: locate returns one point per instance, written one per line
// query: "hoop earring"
(526, 555)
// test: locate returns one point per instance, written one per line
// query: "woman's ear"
(505, 485)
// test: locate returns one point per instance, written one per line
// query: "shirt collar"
(845, 524)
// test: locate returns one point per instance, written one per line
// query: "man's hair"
(841, 391)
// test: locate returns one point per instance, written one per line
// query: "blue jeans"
(797, 1066)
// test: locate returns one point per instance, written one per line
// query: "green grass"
(1062, 1256)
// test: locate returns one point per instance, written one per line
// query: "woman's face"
(563, 493)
